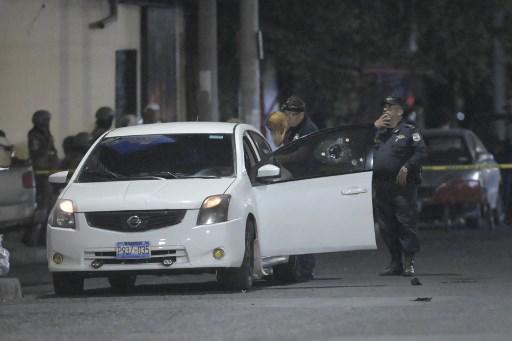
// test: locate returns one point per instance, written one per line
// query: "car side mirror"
(268, 171)
(59, 177)
(482, 157)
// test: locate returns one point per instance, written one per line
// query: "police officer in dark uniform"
(398, 153)
(43, 154)
(299, 267)
(299, 124)
(104, 118)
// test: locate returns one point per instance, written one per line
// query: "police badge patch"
(416, 137)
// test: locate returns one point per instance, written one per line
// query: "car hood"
(144, 194)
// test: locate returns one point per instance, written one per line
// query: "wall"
(50, 59)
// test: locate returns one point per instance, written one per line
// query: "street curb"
(10, 288)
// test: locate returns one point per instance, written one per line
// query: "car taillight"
(457, 191)
(27, 179)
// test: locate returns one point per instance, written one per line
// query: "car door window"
(325, 153)
(261, 144)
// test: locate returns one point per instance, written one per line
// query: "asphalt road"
(465, 295)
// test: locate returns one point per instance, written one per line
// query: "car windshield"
(157, 157)
(447, 150)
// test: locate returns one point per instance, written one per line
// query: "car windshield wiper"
(98, 175)
(162, 175)
(203, 176)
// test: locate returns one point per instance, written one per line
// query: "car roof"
(175, 128)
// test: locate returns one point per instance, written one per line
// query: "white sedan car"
(204, 197)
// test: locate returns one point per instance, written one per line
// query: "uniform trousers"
(396, 213)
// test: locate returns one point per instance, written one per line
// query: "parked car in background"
(461, 182)
(17, 189)
(208, 197)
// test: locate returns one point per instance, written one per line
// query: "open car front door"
(322, 199)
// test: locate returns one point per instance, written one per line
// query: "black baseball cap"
(294, 104)
(391, 100)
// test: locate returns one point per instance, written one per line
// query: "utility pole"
(500, 70)
(207, 97)
(249, 106)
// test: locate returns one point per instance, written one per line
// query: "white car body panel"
(194, 245)
(293, 220)
(144, 194)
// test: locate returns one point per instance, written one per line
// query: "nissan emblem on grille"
(134, 221)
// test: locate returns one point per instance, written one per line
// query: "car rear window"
(159, 157)
(447, 150)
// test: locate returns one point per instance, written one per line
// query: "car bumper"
(185, 245)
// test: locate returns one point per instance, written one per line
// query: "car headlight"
(214, 209)
(63, 214)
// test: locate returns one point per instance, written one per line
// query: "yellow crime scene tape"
(466, 167)
(425, 168)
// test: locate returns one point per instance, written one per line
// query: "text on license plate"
(131, 250)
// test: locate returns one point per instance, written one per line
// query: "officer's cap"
(391, 100)
(293, 104)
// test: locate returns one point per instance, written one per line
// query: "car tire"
(122, 283)
(241, 278)
(499, 213)
(485, 220)
(67, 284)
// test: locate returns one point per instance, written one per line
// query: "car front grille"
(108, 256)
(134, 221)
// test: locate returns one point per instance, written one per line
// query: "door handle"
(353, 190)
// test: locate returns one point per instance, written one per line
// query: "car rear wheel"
(241, 278)
(485, 220)
(67, 284)
(122, 283)
(499, 213)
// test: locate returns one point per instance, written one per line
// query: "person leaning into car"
(398, 152)
(299, 125)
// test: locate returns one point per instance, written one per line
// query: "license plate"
(133, 250)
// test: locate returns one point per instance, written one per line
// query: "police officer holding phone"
(398, 153)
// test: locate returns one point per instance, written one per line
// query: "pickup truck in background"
(17, 190)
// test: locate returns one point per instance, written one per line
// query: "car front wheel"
(241, 278)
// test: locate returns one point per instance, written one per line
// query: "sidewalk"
(27, 266)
